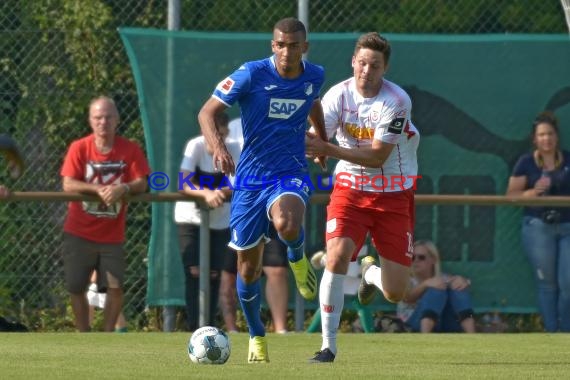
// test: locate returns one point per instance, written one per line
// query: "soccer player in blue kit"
(276, 96)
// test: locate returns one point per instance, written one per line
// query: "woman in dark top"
(546, 230)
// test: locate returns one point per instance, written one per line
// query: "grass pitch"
(361, 356)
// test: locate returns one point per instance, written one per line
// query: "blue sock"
(295, 248)
(249, 296)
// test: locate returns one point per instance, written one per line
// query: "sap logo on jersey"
(284, 108)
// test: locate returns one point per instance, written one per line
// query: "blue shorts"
(250, 218)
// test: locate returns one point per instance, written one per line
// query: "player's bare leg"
(287, 214)
(392, 280)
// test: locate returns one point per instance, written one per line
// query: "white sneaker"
(318, 259)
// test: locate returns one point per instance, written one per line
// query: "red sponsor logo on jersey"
(226, 85)
(328, 308)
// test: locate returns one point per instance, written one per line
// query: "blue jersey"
(274, 112)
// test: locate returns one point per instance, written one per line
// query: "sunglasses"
(419, 257)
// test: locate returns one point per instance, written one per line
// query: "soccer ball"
(209, 345)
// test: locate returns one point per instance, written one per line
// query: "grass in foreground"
(374, 356)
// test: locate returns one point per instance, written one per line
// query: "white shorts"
(94, 298)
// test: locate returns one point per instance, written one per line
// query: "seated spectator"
(435, 301)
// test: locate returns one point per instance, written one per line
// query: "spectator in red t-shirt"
(111, 167)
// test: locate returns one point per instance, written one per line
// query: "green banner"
(474, 99)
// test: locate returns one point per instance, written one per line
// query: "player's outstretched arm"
(223, 160)
(373, 157)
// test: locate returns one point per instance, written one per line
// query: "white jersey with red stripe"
(356, 121)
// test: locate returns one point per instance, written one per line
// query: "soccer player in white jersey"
(276, 96)
(374, 191)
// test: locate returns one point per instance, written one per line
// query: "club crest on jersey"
(308, 88)
(284, 108)
(226, 85)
